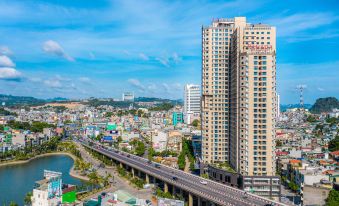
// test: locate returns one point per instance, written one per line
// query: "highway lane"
(218, 186)
(213, 191)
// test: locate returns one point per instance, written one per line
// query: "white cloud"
(6, 62)
(53, 47)
(53, 83)
(35, 79)
(127, 53)
(320, 89)
(166, 87)
(164, 61)
(296, 24)
(7, 73)
(84, 79)
(143, 56)
(137, 84)
(152, 87)
(176, 57)
(4, 50)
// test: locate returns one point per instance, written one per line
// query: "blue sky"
(80, 48)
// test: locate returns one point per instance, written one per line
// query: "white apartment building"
(191, 102)
(128, 96)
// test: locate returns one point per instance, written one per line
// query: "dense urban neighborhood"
(307, 146)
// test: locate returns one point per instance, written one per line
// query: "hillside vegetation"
(325, 105)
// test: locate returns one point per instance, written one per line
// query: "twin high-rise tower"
(239, 95)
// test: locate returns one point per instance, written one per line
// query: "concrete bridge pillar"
(132, 171)
(199, 201)
(173, 190)
(121, 165)
(165, 187)
(190, 199)
(147, 178)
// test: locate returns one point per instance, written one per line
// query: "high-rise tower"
(238, 95)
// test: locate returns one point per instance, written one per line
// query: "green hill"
(324, 105)
(10, 100)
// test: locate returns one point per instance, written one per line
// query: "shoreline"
(72, 172)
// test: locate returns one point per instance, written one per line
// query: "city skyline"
(81, 49)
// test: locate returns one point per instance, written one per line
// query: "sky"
(85, 48)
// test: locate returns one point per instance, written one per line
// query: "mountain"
(325, 105)
(10, 100)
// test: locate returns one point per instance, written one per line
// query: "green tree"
(333, 145)
(67, 121)
(293, 186)
(196, 123)
(39, 126)
(108, 114)
(140, 113)
(13, 204)
(204, 176)
(332, 121)
(181, 160)
(140, 148)
(94, 178)
(311, 118)
(27, 199)
(162, 107)
(333, 198)
(278, 143)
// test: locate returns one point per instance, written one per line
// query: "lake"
(17, 180)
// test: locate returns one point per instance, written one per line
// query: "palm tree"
(28, 200)
(94, 178)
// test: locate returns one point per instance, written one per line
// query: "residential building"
(239, 95)
(177, 117)
(191, 102)
(128, 96)
(49, 190)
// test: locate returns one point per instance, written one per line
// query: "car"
(149, 162)
(157, 165)
(203, 182)
(128, 155)
(174, 178)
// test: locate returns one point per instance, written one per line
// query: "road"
(119, 182)
(212, 191)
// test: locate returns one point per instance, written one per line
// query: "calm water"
(17, 180)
